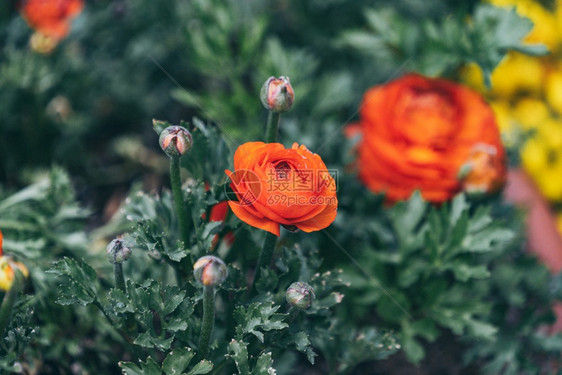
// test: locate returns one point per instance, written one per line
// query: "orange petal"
(248, 218)
(321, 221)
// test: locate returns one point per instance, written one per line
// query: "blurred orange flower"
(418, 132)
(278, 186)
(51, 17)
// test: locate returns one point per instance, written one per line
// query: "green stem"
(266, 255)
(272, 127)
(175, 181)
(208, 320)
(9, 300)
(119, 277)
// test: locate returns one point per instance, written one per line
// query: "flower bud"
(210, 271)
(117, 252)
(277, 94)
(8, 272)
(300, 295)
(175, 141)
(43, 44)
(483, 172)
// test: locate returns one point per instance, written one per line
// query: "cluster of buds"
(8, 268)
(300, 295)
(117, 252)
(277, 94)
(175, 141)
(210, 271)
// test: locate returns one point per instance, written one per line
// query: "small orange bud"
(7, 272)
(175, 141)
(277, 94)
(483, 172)
(210, 271)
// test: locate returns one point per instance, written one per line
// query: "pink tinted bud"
(300, 295)
(277, 94)
(175, 141)
(210, 271)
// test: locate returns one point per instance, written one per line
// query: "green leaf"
(414, 351)
(150, 367)
(238, 351)
(203, 367)
(258, 318)
(264, 365)
(463, 272)
(146, 340)
(177, 361)
(77, 282)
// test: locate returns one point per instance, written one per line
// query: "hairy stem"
(208, 320)
(272, 127)
(119, 277)
(266, 255)
(175, 182)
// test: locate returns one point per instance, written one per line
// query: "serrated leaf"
(263, 365)
(119, 301)
(238, 351)
(464, 272)
(150, 367)
(77, 282)
(203, 367)
(146, 340)
(177, 361)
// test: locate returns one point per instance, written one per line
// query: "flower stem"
(266, 255)
(119, 277)
(208, 320)
(9, 300)
(175, 182)
(272, 127)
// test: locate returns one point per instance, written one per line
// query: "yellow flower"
(551, 132)
(534, 156)
(516, 73)
(502, 110)
(530, 112)
(553, 90)
(550, 182)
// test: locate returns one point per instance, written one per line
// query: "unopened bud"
(483, 172)
(210, 271)
(117, 252)
(175, 141)
(277, 94)
(8, 272)
(300, 295)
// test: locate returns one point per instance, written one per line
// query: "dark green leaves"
(438, 47)
(77, 282)
(258, 318)
(176, 363)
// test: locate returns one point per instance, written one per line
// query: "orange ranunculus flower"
(278, 186)
(51, 17)
(417, 134)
